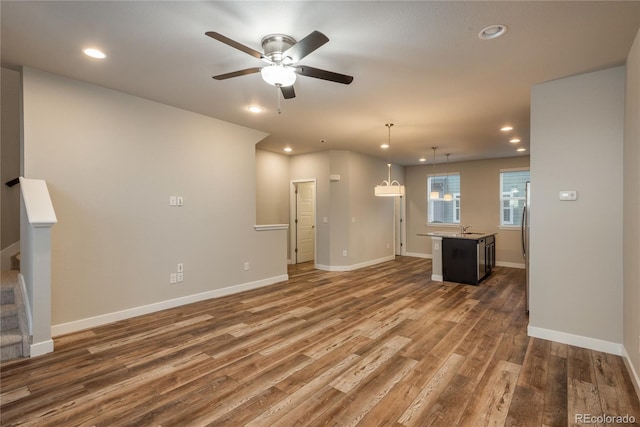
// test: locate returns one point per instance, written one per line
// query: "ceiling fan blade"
(305, 46)
(288, 92)
(235, 44)
(323, 74)
(237, 73)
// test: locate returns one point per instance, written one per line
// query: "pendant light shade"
(389, 188)
(435, 195)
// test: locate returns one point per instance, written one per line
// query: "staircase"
(14, 330)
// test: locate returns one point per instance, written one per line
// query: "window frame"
(514, 222)
(456, 201)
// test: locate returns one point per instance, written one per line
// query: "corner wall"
(111, 161)
(631, 213)
(10, 167)
(576, 247)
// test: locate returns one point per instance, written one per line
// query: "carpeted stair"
(14, 330)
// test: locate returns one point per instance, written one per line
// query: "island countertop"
(457, 235)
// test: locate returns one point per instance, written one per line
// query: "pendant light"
(447, 196)
(435, 195)
(389, 188)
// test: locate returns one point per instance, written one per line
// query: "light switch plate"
(568, 195)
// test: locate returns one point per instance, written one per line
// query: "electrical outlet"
(246, 266)
(180, 201)
(173, 278)
(180, 277)
(344, 252)
(173, 200)
(180, 267)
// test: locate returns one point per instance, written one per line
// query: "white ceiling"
(418, 64)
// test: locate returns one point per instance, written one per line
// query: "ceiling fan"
(282, 53)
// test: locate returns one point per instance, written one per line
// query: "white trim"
(40, 348)
(510, 264)
(7, 253)
(635, 379)
(437, 278)
(268, 227)
(419, 255)
(354, 266)
(78, 325)
(577, 340)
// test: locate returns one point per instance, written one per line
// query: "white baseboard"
(577, 340)
(419, 255)
(40, 348)
(354, 266)
(91, 322)
(635, 379)
(7, 253)
(510, 264)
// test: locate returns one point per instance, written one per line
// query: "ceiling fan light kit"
(278, 75)
(281, 53)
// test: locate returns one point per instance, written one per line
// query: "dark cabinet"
(460, 261)
(490, 254)
(467, 260)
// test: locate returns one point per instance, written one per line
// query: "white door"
(305, 222)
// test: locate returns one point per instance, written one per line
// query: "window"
(441, 211)
(512, 196)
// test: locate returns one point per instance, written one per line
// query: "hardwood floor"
(378, 346)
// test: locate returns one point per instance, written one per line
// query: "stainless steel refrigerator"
(526, 216)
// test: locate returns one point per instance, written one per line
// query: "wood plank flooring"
(380, 346)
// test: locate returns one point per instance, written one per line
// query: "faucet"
(464, 228)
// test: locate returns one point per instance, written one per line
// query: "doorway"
(303, 223)
(400, 230)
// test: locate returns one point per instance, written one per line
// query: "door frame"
(400, 225)
(293, 230)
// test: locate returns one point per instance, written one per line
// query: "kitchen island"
(462, 257)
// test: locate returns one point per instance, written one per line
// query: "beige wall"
(111, 162)
(10, 157)
(356, 221)
(272, 188)
(479, 206)
(631, 211)
(576, 247)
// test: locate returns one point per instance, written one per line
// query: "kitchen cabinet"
(467, 259)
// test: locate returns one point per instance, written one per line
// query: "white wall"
(576, 247)
(631, 212)
(479, 206)
(111, 162)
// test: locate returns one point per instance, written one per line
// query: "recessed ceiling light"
(254, 109)
(94, 53)
(422, 159)
(492, 32)
(514, 140)
(288, 149)
(384, 146)
(506, 128)
(521, 149)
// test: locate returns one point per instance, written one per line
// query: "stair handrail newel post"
(37, 217)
